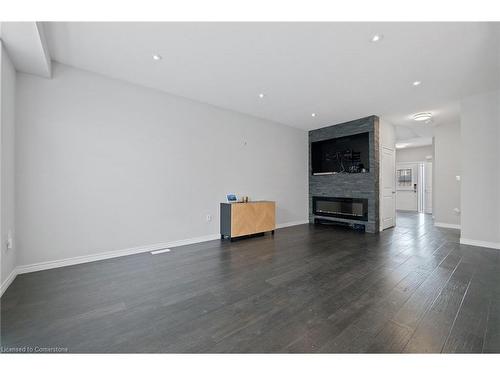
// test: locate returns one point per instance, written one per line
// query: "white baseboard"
(491, 245)
(111, 254)
(117, 253)
(292, 223)
(447, 225)
(8, 281)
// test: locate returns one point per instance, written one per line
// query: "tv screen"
(341, 155)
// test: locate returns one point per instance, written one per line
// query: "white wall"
(413, 154)
(481, 170)
(387, 134)
(7, 95)
(104, 165)
(447, 165)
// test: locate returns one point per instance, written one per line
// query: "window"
(404, 177)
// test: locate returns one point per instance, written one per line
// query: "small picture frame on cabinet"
(231, 198)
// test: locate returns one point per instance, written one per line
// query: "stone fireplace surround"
(349, 185)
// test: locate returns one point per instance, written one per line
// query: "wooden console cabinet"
(243, 219)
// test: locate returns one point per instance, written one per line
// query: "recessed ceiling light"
(313, 114)
(157, 57)
(261, 95)
(417, 83)
(377, 38)
(423, 116)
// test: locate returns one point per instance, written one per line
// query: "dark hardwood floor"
(307, 289)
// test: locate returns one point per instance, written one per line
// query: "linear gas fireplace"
(345, 208)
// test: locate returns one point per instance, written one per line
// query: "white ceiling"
(414, 142)
(26, 45)
(332, 69)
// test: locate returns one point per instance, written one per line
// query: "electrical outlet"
(209, 217)
(10, 241)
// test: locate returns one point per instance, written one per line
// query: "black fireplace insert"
(345, 208)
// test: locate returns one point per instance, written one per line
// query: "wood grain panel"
(252, 217)
(295, 292)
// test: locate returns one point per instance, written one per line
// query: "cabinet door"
(250, 218)
(265, 219)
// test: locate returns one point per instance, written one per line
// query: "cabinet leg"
(221, 236)
(272, 232)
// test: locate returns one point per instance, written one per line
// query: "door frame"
(428, 188)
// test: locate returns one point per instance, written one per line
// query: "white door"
(387, 189)
(406, 186)
(428, 188)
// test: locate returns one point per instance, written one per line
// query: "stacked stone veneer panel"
(350, 185)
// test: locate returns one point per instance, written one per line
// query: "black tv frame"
(338, 153)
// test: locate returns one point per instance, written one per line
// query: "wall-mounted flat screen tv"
(348, 154)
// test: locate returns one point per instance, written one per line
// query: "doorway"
(414, 186)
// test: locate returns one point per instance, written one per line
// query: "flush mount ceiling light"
(313, 114)
(402, 145)
(423, 116)
(417, 83)
(377, 38)
(157, 57)
(261, 95)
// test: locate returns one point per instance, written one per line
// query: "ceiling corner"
(27, 47)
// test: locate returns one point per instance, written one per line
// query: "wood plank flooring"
(411, 289)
